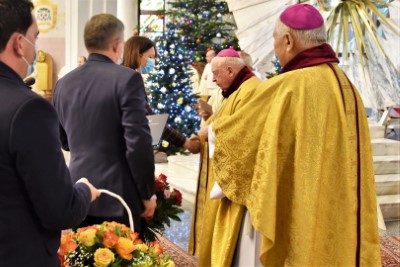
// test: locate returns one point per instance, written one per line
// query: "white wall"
(79, 13)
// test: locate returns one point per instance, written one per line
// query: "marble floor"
(179, 231)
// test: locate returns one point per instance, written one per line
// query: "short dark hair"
(100, 31)
(134, 49)
(15, 16)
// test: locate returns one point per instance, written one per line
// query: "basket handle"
(105, 191)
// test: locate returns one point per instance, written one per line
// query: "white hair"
(233, 62)
(305, 38)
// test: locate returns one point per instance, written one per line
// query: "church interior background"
(61, 24)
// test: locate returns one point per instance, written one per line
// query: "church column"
(71, 33)
(127, 12)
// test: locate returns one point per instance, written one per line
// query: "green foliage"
(168, 208)
(277, 69)
(193, 27)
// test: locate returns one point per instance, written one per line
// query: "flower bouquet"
(168, 207)
(109, 245)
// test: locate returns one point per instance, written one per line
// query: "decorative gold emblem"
(46, 15)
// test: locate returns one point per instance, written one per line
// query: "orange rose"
(138, 241)
(124, 248)
(133, 236)
(67, 245)
(111, 225)
(103, 257)
(156, 248)
(88, 237)
(109, 239)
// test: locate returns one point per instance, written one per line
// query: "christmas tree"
(170, 86)
(277, 69)
(205, 24)
(193, 27)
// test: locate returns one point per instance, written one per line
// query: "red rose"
(159, 185)
(162, 177)
(177, 197)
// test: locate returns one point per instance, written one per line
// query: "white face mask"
(30, 67)
(119, 61)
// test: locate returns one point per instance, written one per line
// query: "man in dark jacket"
(101, 107)
(37, 197)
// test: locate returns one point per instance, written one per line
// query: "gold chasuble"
(298, 156)
(201, 241)
(204, 185)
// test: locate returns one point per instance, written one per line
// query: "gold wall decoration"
(44, 75)
(46, 15)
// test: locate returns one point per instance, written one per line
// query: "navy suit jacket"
(37, 197)
(101, 107)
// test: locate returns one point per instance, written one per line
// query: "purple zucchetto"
(302, 17)
(229, 52)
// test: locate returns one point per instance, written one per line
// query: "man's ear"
(230, 70)
(289, 42)
(115, 44)
(16, 43)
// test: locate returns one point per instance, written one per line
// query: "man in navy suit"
(37, 197)
(102, 112)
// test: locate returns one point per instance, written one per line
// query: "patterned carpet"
(390, 251)
(180, 257)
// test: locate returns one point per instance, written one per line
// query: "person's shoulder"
(115, 69)
(126, 70)
(34, 102)
(253, 81)
(17, 92)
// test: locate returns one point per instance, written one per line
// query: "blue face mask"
(150, 64)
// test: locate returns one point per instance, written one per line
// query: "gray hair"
(234, 62)
(305, 38)
(100, 31)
